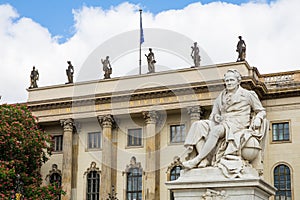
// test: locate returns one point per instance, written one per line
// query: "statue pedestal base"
(209, 183)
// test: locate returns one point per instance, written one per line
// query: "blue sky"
(57, 15)
(30, 31)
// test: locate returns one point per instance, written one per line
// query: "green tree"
(23, 149)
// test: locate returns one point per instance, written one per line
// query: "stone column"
(114, 157)
(106, 122)
(194, 113)
(150, 187)
(67, 125)
(76, 131)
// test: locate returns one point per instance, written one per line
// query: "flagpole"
(141, 40)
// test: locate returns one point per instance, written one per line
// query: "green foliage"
(23, 149)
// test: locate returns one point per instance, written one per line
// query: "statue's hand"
(190, 148)
(218, 118)
(256, 123)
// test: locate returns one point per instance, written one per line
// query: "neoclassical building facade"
(123, 137)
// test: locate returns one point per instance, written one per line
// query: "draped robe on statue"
(235, 111)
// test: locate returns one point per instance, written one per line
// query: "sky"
(46, 34)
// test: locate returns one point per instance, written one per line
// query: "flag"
(141, 29)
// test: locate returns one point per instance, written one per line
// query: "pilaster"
(151, 190)
(107, 123)
(67, 125)
(194, 113)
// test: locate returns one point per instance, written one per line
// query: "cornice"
(252, 82)
(159, 92)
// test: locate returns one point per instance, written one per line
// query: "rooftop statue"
(151, 61)
(70, 72)
(106, 67)
(233, 136)
(34, 77)
(196, 55)
(241, 49)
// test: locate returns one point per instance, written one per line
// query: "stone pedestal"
(209, 183)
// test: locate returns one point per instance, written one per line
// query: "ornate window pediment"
(53, 171)
(133, 164)
(92, 168)
(176, 162)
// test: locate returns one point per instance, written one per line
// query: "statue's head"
(107, 57)
(233, 72)
(232, 79)
(150, 49)
(69, 62)
(240, 37)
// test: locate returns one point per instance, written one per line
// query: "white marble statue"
(232, 137)
(151, 61)
(195, 54)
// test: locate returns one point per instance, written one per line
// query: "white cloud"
(271, 32)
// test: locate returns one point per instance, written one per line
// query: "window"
(280, 131)
(58, 143)
(134, 184)
(92, 182)
(134, 137)
(93, 185)
(55, 179)
(177, 133)
(174, 175)
(94, 140)
(282, 181)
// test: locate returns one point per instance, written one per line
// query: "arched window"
(174, 175)
(55, 178)
(134, 181)
(93, 182)
(93, 185)
(134, 184)
(282, 181)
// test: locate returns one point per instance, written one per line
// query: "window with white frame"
(134, 184)
(94, 140)
(55, 178)
(282, 181)
(92, 182)
(57, 143)
(280, 131)
(93, 185)
(177, 133)
(134, 137)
